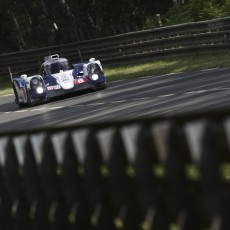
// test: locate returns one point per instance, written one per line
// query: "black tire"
(16, 98)
(29, 102)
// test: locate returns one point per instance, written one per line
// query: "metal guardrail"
(143, 174)
(197, 37)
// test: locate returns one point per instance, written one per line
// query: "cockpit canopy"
(56, 66)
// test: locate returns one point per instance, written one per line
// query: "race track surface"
(150, 96)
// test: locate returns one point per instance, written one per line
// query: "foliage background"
(28, 24)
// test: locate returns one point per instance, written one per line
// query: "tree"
(197, 10)
(28, 24)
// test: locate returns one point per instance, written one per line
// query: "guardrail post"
(51, 182)
(14, 184)
(120, 173)
(149, 188)
(34, 190)
(151, 176)
(6, 221)
(72, 185)
(183, 179)
(90, 161)
(215, 165)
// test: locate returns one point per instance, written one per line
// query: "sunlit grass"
(154, 68)
(169, 65)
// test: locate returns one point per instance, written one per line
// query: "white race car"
(57, 77)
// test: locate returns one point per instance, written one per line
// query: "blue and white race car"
(57, 77)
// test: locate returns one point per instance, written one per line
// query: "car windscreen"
(56, 67)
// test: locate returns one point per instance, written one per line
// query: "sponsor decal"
(65, 78)
(79, 81)
(53, 87)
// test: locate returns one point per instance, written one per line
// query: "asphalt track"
(149, 96)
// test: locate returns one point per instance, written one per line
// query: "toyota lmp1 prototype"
(56, 77)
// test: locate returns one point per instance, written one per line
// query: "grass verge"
(5, 86)
(170, 65)
(153, 68)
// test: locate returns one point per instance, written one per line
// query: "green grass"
(153, 68)
(169, 65)
(5, 86)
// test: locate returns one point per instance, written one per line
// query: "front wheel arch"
(20, 105)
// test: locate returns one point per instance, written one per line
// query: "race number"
(80, 80)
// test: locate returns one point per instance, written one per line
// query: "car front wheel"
(29, 101)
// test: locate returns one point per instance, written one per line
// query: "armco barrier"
(196, 37)
(143, 174)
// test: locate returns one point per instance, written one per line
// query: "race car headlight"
(37, 85)
(40, 90)
(34, 81)
(95, 77)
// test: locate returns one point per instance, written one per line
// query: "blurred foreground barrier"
(171, 174)
(195, 37)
